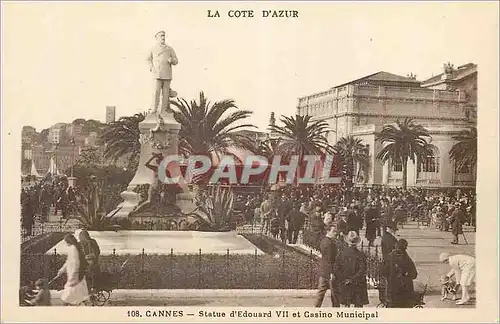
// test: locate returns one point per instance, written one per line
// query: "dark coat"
(400, 272)
(350, 276)
(91, 252)
(457, 217)
(329, 252)
(371, 223)
(354, 222)
(284, 208)
(341, 226)
(296, 219)
(388, 244)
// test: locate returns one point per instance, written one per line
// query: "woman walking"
(75, 290)
(350, 273)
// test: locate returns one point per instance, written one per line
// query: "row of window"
(431, 164)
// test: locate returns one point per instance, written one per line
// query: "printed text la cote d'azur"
(246, 13)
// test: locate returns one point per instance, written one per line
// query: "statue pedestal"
(157, 135)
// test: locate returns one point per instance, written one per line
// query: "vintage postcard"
(249, 161)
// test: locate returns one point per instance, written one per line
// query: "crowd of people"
(335, 219)
(332, 218)
(286, 211)
(38, 198)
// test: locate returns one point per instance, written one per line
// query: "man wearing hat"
(329, 252)
(161, 58)
(457, 217)
(389, 239)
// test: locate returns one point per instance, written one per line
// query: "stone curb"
(209, 293)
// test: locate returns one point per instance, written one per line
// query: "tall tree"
(90, 157)
(211, 129)
(406, 140)
(92, 125)
(121, 138)
(267, 148)
(352, 152)
(300, 136)
(464, 152)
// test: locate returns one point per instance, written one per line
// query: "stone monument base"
(158, 134)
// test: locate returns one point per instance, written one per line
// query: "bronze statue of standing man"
(161, 58)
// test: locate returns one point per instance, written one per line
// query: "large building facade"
(445, 105)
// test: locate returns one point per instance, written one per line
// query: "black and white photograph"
(236, 161)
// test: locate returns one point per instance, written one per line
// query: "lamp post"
(56, 148)
(72, 179)
(72, 142)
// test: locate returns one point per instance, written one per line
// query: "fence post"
(142, 269)
(171, 267)
(311, 281)
(199, 268)
(282, 270)
(227, 269)
(254, 279)
(117, 269)
(55, 261)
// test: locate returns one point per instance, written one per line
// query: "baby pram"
(384, 301)
(104, 284)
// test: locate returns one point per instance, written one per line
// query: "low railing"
(40, 228)
(282, 270)
(309, 240)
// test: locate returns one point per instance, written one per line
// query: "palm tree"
(301, 136)
(464, 153)
(121, 138)
(404, 141)
(210, 129)
(267, 148)
(351, 152)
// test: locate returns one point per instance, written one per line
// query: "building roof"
(382, 76)
(458, 74)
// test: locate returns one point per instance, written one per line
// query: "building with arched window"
(445, 105)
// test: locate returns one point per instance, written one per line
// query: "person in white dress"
(464, 269)
(75, 290)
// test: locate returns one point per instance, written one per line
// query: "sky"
(62, 61)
